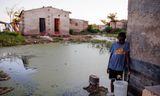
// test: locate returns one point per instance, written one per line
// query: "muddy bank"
(72, 38)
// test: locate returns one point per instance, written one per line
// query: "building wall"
(102, 27)
(121, 25)
(113, 25)
(144, 36)
(78, 25)
(30, 21)
(64, 21)
(118, 24)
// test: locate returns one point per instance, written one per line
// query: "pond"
(54, 69)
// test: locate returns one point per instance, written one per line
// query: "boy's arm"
(111, 52)
(109, 62)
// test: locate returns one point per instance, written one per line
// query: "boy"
(119, 59)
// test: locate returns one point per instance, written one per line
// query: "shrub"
(118, 30)
(108, 29)
(93, 29)
(11, 38)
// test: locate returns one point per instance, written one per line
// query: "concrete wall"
(102, 27)
(30, 21)
(119, 24)
(64, 20)
(144, 37)
(78, 25)
(113, 25)
(151, 91)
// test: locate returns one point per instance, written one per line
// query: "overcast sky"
(90, 10)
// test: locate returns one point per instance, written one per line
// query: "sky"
(90, 10)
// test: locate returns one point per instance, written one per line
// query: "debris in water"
(4, 90)
(4, 76)
(94, 89)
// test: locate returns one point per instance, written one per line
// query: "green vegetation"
(93, 28)
(114, 32)
(11, 38)
(108, 29)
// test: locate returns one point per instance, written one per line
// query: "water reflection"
(25, 60)
(19, 73)
(103, 48)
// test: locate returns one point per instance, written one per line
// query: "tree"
(104, 22)
(14, 17)
(113, 18)
(12, 12)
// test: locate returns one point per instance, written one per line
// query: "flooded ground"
(98, 37)
(53, 69)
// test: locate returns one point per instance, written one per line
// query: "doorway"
(42, 25)
(57, 25)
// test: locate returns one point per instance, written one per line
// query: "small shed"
(78, 25)
(45, 21)
(121, 24)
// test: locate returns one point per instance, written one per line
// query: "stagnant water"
(53, 69)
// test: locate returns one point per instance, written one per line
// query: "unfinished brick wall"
(144, 37)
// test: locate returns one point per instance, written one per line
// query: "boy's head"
(121, 37)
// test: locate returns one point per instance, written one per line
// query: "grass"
(114, 32)
(11, 39)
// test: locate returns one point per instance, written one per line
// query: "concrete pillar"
(144, 37)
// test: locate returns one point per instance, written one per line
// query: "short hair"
(122, 34)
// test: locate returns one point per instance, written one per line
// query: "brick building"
(45, 21)
(78, 25)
